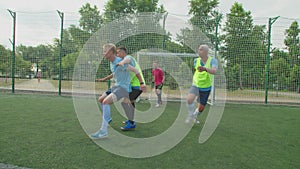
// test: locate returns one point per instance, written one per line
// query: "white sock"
(191, 109)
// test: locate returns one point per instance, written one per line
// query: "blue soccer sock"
(106, 117)
(101, 106)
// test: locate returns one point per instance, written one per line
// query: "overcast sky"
(28, 8)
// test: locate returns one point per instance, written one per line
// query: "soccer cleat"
(189, 119)
(128, 126)
(196, 120)
(99, 135)
(158, 104)
(195, 115)
(109, 121)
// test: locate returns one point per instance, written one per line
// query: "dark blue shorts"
(159, 86)
(202, 96)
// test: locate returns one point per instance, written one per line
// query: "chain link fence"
(260, 56)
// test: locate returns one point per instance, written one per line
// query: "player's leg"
(159, 93)
(102, 97)
(129, 110)
(193, 93)
(106, 118)
(202, 101)
(133, 95)
(116, 95)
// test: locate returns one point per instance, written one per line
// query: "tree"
(78, 36)
(204, 15)
(90, 19)
(295, 78)
(115, 8)
(68, 63)
(148, 6)
(5, 61)
(280, 74)
(292, 41)
(244, 44)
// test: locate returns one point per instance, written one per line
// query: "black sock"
(133, 104)
(131, 122)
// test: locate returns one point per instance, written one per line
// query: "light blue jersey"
(121, 74)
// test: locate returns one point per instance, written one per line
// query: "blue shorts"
(202, 96)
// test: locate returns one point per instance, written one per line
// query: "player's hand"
(120, 64)
(143, 88)
(202, 68)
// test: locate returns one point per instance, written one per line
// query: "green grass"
(43, 132)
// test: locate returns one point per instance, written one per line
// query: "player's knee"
(125, 100)
(110, 99)
(107, 100)
(100, 99)
(158, 91)
(190, 99)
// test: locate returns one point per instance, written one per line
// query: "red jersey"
(158, 76)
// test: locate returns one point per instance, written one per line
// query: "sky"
(50, 20)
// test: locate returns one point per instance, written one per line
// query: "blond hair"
(111, 47)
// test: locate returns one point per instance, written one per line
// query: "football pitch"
(40, 131)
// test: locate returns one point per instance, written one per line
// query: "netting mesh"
(242, 51)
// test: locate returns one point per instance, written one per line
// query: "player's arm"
(153, 81)
(105, 78)
(126, 60)
(163, 75)
(213, 70)
(214, 67)
(138, 75)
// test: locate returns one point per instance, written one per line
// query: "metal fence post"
(217, 21)
(13, 58)
(164, 33)
(271, 21)
(61, 15)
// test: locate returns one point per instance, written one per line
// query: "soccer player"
(135, 83)
(205, 67)
(120, 90)
(159, 79)
(135, 86)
